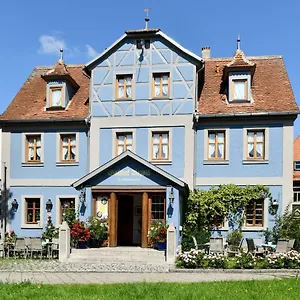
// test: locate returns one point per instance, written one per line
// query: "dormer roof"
(30, 102)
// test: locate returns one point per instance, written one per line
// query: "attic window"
(239, 87)
(297, 165)
(143, 44)
(55, 96)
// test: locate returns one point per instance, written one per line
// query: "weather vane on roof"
(146, 10)
(61, 54)
(239, 42)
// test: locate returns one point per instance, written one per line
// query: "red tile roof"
(297, 156)
(271, 88)
(30, 102)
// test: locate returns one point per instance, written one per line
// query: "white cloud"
(91, 52)
(51, 44)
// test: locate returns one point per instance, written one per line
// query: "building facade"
(126, 136)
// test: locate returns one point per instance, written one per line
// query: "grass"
(275, 289)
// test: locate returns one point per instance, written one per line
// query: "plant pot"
(82, 245)
(94, 243)
(160, 246)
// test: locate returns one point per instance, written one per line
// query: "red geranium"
(80, 232)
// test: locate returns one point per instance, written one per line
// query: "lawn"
(275, 289)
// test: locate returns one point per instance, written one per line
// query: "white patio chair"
(20, 248)
(36, 247)
(216, 245)
(282, 246)
(291, 244)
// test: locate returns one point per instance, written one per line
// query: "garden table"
(267, 247)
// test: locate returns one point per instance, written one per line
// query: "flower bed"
(194, 259)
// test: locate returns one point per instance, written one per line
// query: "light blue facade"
(98, 171)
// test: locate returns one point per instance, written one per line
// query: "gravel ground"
(36, 265)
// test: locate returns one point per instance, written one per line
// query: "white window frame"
(115, 133)
(239, 76)
(61, 86)
(265, 219)
(115, 76)
(57, 206)
(26, 163)
(221, 161)
(295, 165)
(246, 160)
(58, 149)
(150, 149)
(39, 225)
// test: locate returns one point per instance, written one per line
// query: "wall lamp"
(49, 205)
(275, 204)
(82, 196)
(14, 205)
(171, 196)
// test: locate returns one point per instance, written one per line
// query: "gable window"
(124, 142)
(55, 95)
(255, 144)
(255, 213)
(216, 144)
(68, 147)
(67, 205)
(160, 145)
(239, 89)
(161, 85)
(297, 165)
(33, 207)
(33, 148)
(124, 87)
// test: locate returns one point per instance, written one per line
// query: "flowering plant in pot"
(98, 231)
(158, 234)
(80, 234)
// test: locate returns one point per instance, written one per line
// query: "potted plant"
(50, 231)
(158, 234)
(98, 231)
(80, 234)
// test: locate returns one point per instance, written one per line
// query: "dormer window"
(55, 96)
(239, 87)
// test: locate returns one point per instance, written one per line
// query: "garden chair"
(291, 244)
(234, 250)
(252, 249)
(216, 245)
(20, 248)
(282, 246)
(55, 248)
(27, 244)
(36, 247)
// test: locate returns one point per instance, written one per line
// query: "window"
(124, 87)
(255, 144)
(158, 207)
(218, 221)
(33, 209)
(124, 142)
(216, 145)
(161, 85)
(55, 96)
(68, 147)
(239, 89)
(33, 148)
(140, 44)
(297, 165)
(160, 145)
(297, 194)
(255, 213)
(67, 205)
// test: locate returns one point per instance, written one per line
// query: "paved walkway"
(100, 278)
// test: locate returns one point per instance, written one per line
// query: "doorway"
(125, 220)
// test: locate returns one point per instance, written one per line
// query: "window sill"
(32, 164)
(61, 163)
(161, 98)
(31, 226)
(254, 228)
(123, 99)
(161, 162)
(232, 101)
(255, 161)
(54, 108)
(216, 162)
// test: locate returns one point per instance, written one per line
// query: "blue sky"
(31, 32)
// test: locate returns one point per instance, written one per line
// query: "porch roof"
(82, 181)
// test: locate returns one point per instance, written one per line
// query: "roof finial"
(239, 42)
(146, 10)
(61, 54)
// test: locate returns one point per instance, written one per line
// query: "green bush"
(245, 261)
(234, 239)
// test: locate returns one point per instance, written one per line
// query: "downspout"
(195, 121)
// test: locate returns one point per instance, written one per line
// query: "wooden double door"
(120, 217)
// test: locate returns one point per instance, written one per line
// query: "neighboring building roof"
(296, 175)
(83, 180)
(271, 88)
(142, 32)
(30, 102)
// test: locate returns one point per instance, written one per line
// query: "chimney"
(205, 52)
